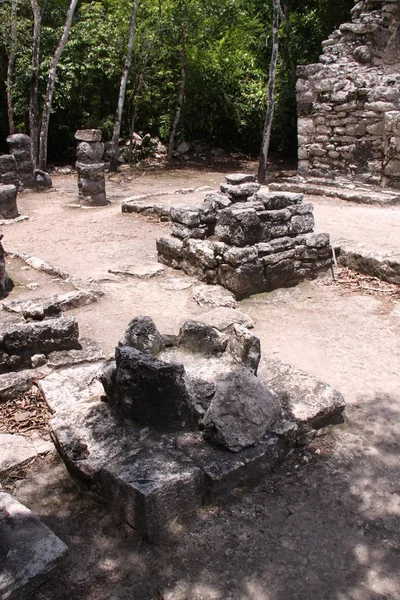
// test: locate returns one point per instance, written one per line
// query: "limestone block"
(241, 411)
(8, 202)
(305, 126)
(393, 168)
(376, 128)
(187, 215)
(90, 187)
(243, 280)
(183, 232)
(90, 152)
(94, 172)
(239, 178)
(143, 335)
(88, 135)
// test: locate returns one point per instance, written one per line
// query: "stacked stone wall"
(349, 102)
(246, 240)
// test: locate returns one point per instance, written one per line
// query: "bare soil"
(326, 525)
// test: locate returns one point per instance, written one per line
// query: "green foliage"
(227, 67)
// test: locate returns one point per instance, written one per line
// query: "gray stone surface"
(40, 308)
(28, 548)
(88, 135)
(8, 201)
(20, 148)
(20, 341)
(239, 178)
(241, 411)
(222, 318)
(240, 192)
(310, 403)
(365, 260)
(13, 385)
(15, 450)
(213, 295)
(143, 335)
(199, 337)
(5, 282)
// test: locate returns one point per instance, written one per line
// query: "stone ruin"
(5, 282)
(349, 102)
(90, 168)
(246, 240)
(175, 420)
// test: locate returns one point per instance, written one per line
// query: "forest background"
(228, 46)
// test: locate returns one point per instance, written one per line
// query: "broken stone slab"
(223, 318)
(241, 411)
(140, 272)
(306, 401)
(16, 450)
(40, 265)
(12, 221)
(213, 295)
(239, 178)
(28, 550)
(8, 202)
(13, 385)
(88, 352)
(199, 337)
(147, 209)
(88, 135)
(365, 260)
(40, 308)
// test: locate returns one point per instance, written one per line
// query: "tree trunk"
(122, 90)
(181, 92)
(10, 67)
(262, 166)
(134, 115)
(33, 96)
(44, 128)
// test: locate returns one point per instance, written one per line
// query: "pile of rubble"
(246, 240)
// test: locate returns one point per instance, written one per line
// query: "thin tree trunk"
(10, 67)
(134, 115)
(33, 96)
(122, 90)
(262, 166)
(181, 93)
(44, 128)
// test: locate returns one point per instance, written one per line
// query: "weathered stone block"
(143, 335)
(90, 152)
(243, 280)
(187, 215)
(88, 135)
(8, 202)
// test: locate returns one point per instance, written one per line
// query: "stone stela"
(349, 102)
(90, 168)
(245, 239)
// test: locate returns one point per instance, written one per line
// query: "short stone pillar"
(8, 202)
(21, 149)
(5, 281)
(90, 168)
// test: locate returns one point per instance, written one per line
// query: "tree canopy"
(228, 47)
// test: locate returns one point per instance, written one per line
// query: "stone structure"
(5, 283)
(21, 149)
(90, 168)
(349, 102)
(8, 202)
(197, 419)
(246, 240)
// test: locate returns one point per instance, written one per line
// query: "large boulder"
(143, 335)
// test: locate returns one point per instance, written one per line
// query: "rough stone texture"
(239, 178)
(140, 272)
(349, 102)
(143, 335)
(21, 149)
(213, 295)
(241, 411)
(151, 391)
(13, 385)
(20, 341)
(223, 318)
(247, 245)
(28, 548)
(90, 168)
(365, 260)
(15, 450)
(8, 170)
(5, 282)
(40, 308)
(305, 400)
(88, 135)
(8, 202)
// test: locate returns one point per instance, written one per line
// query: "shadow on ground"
(325, 525)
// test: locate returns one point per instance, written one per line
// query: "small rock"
(213, 295)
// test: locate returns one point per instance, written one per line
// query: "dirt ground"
(326, 525)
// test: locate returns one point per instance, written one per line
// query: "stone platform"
(246, 240)
(223, 426)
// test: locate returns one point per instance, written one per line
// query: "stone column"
(90, 168)
(21, 149)
(8, 187)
